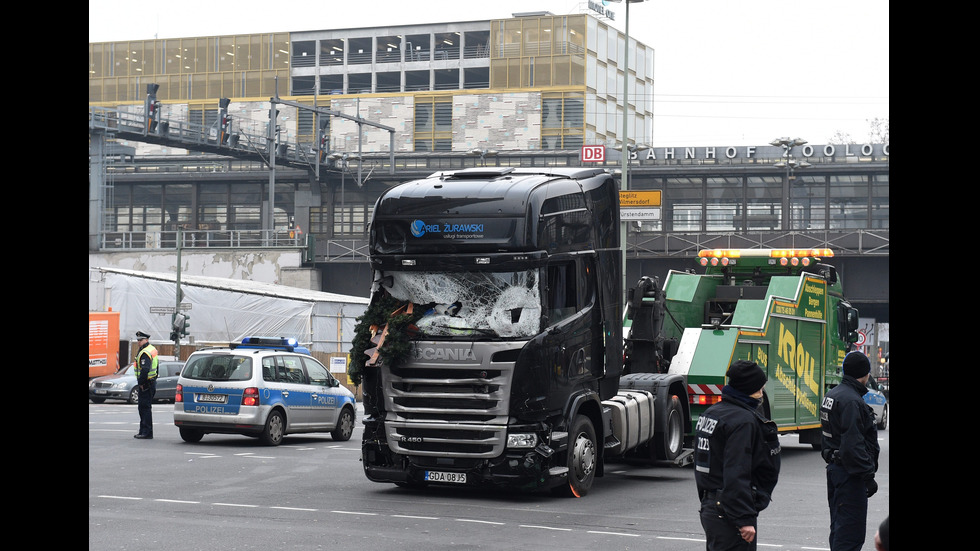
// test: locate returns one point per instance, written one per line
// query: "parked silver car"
(121, 385)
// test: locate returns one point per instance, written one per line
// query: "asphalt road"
(232, 493)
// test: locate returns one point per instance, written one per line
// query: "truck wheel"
(275, 426)
(582, 457)
(191, 435)
(345, 426)
(670, 442)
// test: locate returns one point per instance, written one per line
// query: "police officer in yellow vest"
(146, 378)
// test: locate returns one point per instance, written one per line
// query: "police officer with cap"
(850, 448)
(736, 461)
(146, 379)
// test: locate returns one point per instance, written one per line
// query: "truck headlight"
(522, 440)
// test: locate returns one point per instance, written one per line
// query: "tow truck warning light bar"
(783, 257)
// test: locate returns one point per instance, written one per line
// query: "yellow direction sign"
(639, 198)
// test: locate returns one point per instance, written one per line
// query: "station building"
(321, 122)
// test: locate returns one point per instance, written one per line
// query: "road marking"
(544, 527)
(611, 533)
(479, 521)
(235, 504)
(413, 516)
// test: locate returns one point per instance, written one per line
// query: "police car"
(264, 387)
(878, 402)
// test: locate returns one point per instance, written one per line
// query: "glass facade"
(202, 68)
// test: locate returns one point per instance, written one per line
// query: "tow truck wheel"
(582, 457)
(670, 443)
(275, 426)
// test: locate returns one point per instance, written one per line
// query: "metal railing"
(143, 240)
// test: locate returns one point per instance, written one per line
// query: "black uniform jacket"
(848, 426)
(737, 452)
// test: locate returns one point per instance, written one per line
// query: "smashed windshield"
(505, 304)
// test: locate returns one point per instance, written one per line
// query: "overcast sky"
(725, 72)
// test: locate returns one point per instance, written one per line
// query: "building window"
(724, 200)
(808, 203)
(849, 202)
(433, 123)
(562, 120)
(351, 219)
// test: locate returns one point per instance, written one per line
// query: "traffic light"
(179, 326)
(152, 108)
(174, 327)
(324, 145)
(224, 120)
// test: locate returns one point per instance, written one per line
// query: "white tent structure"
(225, 310)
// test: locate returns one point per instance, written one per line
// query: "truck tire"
(191, 435)
(275, 427)
(345, 426)
(582, 458)
(669, 443)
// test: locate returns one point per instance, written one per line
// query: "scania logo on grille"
(443, 353)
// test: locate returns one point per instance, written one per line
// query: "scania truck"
(492, 351)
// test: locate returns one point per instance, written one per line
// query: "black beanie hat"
(745, 376)
(856, 364)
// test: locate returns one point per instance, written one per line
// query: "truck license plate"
(218, 398)
(441, 476)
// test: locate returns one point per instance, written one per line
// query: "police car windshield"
(218, 367)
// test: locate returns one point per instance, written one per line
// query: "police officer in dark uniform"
(850, 448)
(736, 460)
(146, 380)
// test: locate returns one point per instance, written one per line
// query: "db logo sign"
(593, 153)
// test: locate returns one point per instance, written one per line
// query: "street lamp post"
(624, 176)
(788, 163)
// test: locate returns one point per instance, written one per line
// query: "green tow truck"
(781, 308)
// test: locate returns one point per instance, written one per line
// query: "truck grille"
(449, 400)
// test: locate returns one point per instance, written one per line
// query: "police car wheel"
(883, 421)
(134, 395)
(191, 435)
(275, 427)
(345, 426)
